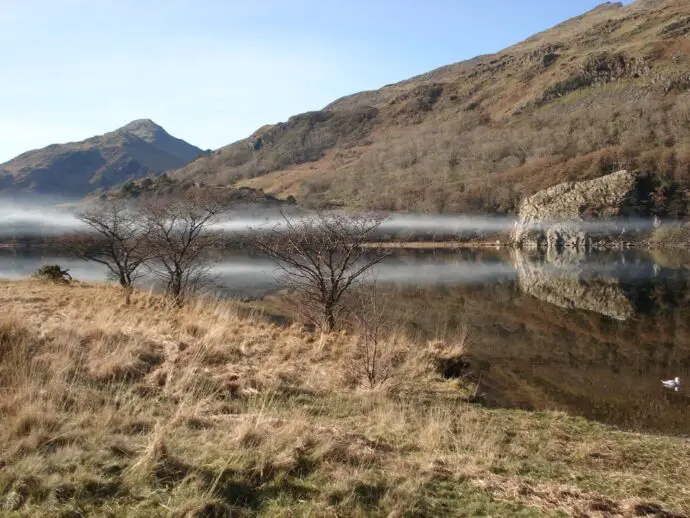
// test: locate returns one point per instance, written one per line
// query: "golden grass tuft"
(212, 410)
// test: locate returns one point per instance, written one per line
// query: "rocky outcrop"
(303, 138)
(580, 215)
(567, 281)
(598, 70)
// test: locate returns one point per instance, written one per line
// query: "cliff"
(581, 215)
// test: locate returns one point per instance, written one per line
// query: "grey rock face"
(574, 214)
(563, 280)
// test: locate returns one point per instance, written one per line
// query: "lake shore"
(434, 245)
(153, 410)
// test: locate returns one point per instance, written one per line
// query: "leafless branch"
(322, 256)
(118, 239)
(179, 238)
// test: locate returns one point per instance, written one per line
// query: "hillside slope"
(601, 92)
(138, 149)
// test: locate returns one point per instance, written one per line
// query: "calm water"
(591, 335)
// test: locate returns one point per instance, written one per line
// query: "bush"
(53, 273)
(673, 234)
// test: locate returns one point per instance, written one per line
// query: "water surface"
(592, 335)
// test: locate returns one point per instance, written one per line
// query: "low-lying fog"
(36, 217)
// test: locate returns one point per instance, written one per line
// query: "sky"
(213, 71)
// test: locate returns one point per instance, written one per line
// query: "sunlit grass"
(212, 410)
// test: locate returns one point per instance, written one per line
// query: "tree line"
(321, 256)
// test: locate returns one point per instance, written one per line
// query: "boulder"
(575, 214)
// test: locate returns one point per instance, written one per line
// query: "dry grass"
(211, 410)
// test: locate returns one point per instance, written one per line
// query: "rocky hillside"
(606, 91)
(163, 185)
(138, 149)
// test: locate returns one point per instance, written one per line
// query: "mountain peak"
(140, 148)
(141, 123)
(145, 129)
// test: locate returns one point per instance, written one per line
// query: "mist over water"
(443, 224)
(53, 216)
(37, 216)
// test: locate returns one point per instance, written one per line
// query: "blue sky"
(212, 71)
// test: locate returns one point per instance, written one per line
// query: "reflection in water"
(589, 334)
(573, 282)
(438, 269)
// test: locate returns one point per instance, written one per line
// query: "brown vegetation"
(599, 93)
(206, 410)
(164, 186)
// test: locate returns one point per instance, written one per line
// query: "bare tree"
(178, 238)
(322, 256)
(119, 241)
(376, 359)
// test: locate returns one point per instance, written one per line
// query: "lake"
(589, 334)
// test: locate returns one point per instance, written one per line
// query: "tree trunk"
(127, 288)
(177, 289)
(328, 318)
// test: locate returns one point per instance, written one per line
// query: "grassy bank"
(211, 410)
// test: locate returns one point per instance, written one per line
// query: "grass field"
(212, 410)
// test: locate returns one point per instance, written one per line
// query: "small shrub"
(671, 234)
(53, 273)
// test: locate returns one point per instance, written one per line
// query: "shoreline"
(434, 245)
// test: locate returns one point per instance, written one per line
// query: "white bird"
(674, 383)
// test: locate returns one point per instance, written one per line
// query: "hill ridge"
(604, 91)
(137, 149)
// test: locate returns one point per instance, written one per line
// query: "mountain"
(140, 148)
(605, 91)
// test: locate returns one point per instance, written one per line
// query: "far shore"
(433, 245)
